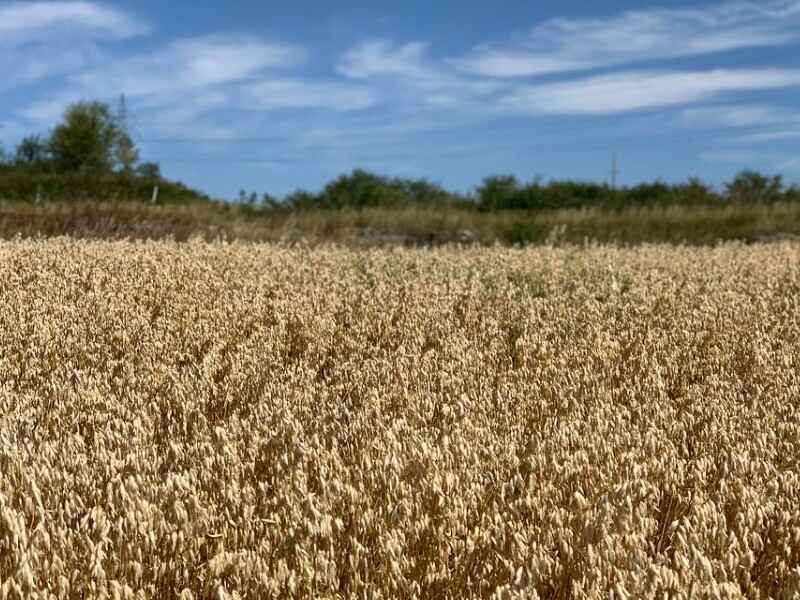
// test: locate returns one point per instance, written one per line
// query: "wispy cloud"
(177, 85)
(32, 21)
(298, 93)
(735, 116)
(636, 90)
(382, 58)
(762, 123)
(770, 136)
(405, 71)
(730, 156)
(39, 40)
(560, 45)
(748, 159)
(190, 64)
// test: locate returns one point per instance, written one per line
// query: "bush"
(749, 186)
(499, 192)
(18, 185)
(361, 189)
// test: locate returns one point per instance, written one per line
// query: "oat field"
(252, 421)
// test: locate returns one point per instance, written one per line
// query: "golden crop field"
(231, 420)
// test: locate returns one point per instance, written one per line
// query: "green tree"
(90, 140)
(33, 151)
(360, 189)
(498, 192)
(149, 170)
(750, 186)
(126, 154)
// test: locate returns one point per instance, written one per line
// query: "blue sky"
(273, 96)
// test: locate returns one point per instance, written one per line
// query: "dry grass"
(409, 226)
(231, 420)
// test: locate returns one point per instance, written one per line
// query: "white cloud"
(562, 45)
(179, 78)
(190, 64)
(39, 40)
(736, 116)
(35, 62)
(791, 164)
(31, 21)
(219, 59)
(177, 88)
(770, 136)
(729, 156)
(296, 93)
(747, 159)
(47, 111)
(404, 74)
(635, 90)
(773, 123)
(382, 58)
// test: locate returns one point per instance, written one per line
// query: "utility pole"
(614, 171)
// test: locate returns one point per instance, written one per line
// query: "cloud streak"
(734, 116)
(405, 72)
(32, 21)
(191, 64)
(179, 84)
(637, 90)
(40, 40)
(561, 45)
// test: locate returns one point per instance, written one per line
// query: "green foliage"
(506, 193)
(126, 154)
(24, 186)
(33, 152)
(148, 170)
(85, 140)
(521, 233)
(89, 156)
(361, 189)
(301, 200)
(499, 192)
(749, 186)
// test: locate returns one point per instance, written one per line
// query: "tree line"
(90, 155)
(362, 189)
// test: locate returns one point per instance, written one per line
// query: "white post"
(38, 193)
(154, 199)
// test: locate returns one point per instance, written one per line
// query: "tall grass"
(415, 225)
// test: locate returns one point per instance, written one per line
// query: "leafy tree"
(302, 200)
(359, 189)
(89, 139)
(249, 199)
(149, 170)
(126, 154)
(498, 192)
(696, 191)
(33, 151)
(425, 192)
(750, 186)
